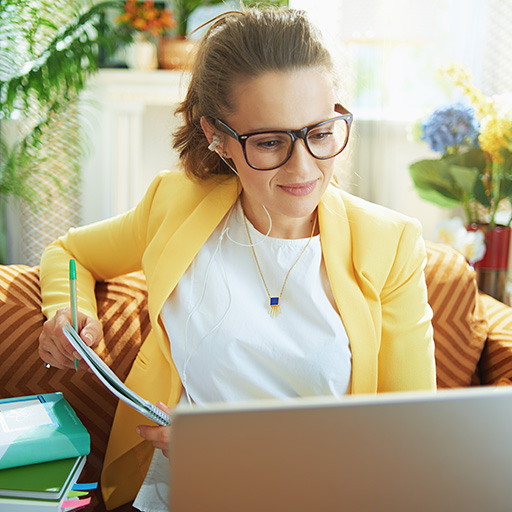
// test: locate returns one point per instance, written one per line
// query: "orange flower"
(151, 14)
(139, 24)
(130, 6)
(167, 19)
(145, 17)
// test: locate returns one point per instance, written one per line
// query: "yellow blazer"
(374, 259)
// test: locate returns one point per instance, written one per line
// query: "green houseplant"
(182, 9)
(50, 48)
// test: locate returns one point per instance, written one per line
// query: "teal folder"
(40, 428)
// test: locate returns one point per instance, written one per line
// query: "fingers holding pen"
(55, 349)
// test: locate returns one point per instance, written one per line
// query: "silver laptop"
(450, 451)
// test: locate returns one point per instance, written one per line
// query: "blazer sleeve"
(102, 251)
(406, 356)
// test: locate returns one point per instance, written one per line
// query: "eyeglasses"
(265, 151)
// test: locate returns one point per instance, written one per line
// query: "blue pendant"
(274, 309)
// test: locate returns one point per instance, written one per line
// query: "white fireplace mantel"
(130, 122)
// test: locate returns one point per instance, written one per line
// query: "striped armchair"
(472, 332)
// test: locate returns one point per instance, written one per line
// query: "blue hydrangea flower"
(451, 127)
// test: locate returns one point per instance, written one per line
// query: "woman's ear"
(213, 137)
(216, 141)
(208, 129)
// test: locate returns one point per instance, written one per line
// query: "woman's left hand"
(159, 436)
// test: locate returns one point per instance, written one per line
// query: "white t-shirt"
(226, 346)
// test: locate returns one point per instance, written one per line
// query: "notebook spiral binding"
(160, 416)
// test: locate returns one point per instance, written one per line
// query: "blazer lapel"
(184, 243)
(337, 248)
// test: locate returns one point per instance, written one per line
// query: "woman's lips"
(299, 189)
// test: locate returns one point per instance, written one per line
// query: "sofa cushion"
(459, 321)
(122, 309)
(496, 362)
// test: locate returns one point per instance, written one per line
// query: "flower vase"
(175, 52)
(142, 54)
(492, 269)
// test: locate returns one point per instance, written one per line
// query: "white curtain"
(389, 53)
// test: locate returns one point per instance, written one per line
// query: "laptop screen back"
(448, 451)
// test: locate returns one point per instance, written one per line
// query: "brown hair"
(239, 46)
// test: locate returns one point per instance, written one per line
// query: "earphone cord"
(213, 147)
(218, 249)
(260, 241)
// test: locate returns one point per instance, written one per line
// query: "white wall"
(381, 159)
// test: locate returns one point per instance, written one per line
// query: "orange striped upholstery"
(460, 322)
(123, 313)
(496, 362)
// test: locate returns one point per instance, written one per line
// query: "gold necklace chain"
(275, 302)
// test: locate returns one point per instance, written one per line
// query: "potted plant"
(174, 51)
(49, 50)
(473, 172)
(147, 21)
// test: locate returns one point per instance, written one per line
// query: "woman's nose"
(301, 159)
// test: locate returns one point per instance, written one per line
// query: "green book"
(40, 428)
(47, 480)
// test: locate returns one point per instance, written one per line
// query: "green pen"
(72, 294)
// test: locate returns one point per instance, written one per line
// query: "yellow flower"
(495, 135)
(495, 129)
(462, 78)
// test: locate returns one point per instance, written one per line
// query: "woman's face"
(277, 101)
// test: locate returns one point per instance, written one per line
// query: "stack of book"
(43, 449)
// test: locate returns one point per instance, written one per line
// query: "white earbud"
(215, 143)
(214, 147)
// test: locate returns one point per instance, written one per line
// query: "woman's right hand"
(54, 347)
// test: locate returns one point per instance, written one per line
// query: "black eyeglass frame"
(345, 115)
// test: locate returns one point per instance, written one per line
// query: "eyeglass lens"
(271, 149)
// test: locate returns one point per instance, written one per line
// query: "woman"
(264, 279)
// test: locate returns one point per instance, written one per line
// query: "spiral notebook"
(111, 381)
